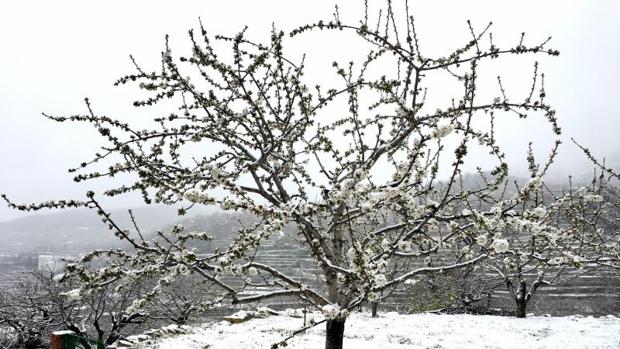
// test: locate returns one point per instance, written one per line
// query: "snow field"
(395, 331)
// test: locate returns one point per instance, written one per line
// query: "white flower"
(360, 174)
(366, 206)
(556, 260)
(72, 295)
(336, 194)
(496, 210)
(433, 225)
(385, 244)
(507, 262)
(465, 250)
(372, 297)
(570, 257)
(481, 240)
(593, 198)
(380, 265)
(500, 245)
(405, 246)
(380, 280)
(534, 183)
(358, 260)
(539, 211)
(198, 197)
(391, 193)
(135, 306)
(252, 271)
(346, 184)
(224, 261)
(331, 311)
(443, 131)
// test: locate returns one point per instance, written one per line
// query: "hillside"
(74, 231)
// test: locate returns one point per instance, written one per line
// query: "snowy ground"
(392, 330)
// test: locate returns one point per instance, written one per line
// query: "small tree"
(361, 183)
(40, 303)
(553, 238)
(25, 315)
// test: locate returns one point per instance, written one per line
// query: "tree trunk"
(334, 328)
(521, 308)
(522, 297)
(334, 332)
(374, 306)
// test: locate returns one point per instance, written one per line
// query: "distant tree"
(554, 238)
(466, 289)
(34, 305)
(355, 167)
(24, 316)
(40, 303)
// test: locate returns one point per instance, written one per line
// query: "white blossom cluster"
(333, 311)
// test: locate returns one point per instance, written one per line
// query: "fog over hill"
(80, 230)
(77, 230)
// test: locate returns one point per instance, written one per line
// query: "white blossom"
(331, 311)
(372, 297)
(135, 306)
(72, 295)
(400, 112)
(443, 131)
(380, 280)
(224, 261)
(500, 245)
(405, 246)
(366, 206)
(593, 198)
(198, 197)
(534, 183)
(385, 244)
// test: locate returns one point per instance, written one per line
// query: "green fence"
(72, 341)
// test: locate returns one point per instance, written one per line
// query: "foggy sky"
(55, 53)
